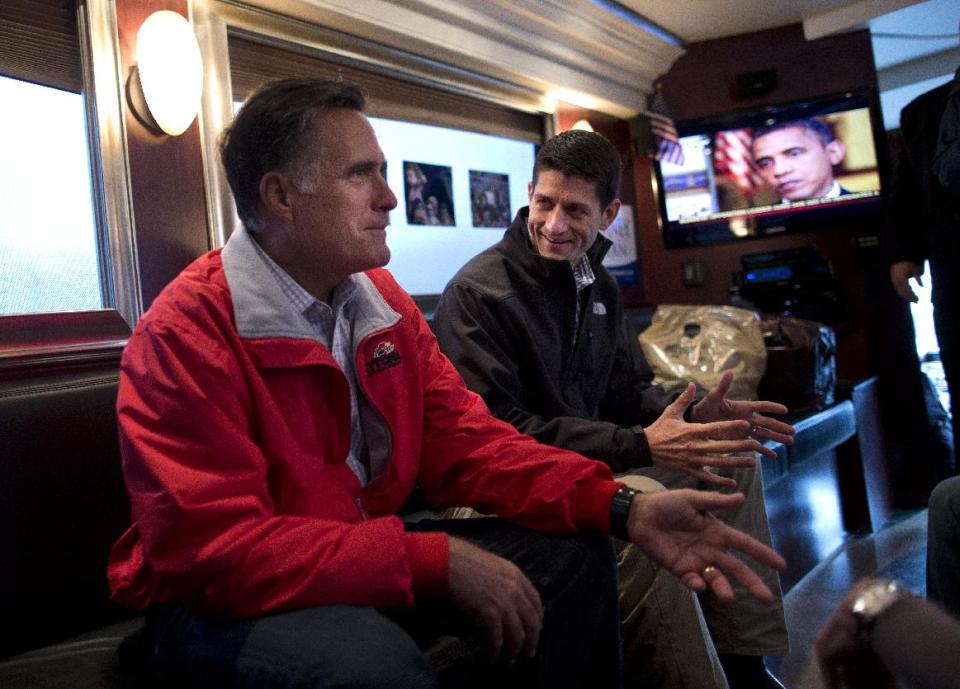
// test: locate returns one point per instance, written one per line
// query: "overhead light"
(164, 87)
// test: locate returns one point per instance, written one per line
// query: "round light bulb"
(171, 72)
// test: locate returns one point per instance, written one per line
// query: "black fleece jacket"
(506, 320)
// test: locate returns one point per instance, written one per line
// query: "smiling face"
(333, 223)
(796, 163)
(565, 215)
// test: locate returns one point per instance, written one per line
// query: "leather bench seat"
(92, 661)
(87, 661)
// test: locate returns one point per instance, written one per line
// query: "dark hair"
(819, 129)
(586, 155)
(269, 133)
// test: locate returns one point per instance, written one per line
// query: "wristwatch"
(619, 509)
(873, 600)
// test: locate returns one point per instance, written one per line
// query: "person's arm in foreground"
(912, 641)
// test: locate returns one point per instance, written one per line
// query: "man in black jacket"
(924, 224)
(535, 325)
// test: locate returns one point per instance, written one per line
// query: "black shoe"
(747, 672)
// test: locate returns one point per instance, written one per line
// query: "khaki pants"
(744, 626)
(666, 643)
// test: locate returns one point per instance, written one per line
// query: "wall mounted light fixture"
(164, 87)
(582, 125)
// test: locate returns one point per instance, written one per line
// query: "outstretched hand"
(676, 529)
(693, 448)
(715, 406)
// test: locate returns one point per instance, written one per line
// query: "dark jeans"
(348, 646)
(943, 545)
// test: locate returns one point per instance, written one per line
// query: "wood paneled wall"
(876, 337)
(166, 174)
(701, 83)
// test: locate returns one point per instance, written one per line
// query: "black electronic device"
(740, 176)
(795, 282)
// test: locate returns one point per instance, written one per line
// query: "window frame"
(40, 340)
(215, 20)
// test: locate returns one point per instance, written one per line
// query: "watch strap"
(619, 511)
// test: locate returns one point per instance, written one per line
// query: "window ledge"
(58, 340)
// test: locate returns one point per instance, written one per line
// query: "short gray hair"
(270, 133)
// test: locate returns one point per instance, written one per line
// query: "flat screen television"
(781, 168)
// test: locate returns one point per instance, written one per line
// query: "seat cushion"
(91, 661)
(88, 661)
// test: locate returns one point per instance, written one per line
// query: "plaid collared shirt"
(583, 277)
(331, 323)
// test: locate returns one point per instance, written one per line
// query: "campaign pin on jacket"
(599, 309)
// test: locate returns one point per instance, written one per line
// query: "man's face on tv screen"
(796, 162)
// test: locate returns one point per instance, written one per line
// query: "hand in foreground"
(843, 652)
(676, 529)
(900, 274)
(716, 407)
(691, 448)
(496, 595)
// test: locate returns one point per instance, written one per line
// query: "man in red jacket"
(278, 404)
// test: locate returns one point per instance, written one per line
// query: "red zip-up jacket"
(235, 428)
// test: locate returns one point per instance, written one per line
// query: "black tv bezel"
(787, 221)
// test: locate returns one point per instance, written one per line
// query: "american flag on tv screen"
(664, 130)
(732, 157)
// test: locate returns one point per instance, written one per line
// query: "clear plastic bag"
(701, 343)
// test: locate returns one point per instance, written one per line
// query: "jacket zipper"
(362, 390)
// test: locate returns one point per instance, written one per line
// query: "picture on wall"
(621, 258)
(429, 193)
(490, 199)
